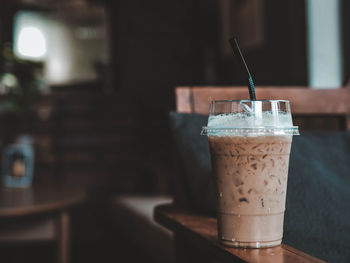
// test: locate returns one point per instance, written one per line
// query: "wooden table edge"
(165, 221)
(42, 208)
(301, 253)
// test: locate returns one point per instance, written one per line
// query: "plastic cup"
(250, 145)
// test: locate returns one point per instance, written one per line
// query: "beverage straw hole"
(246, 108)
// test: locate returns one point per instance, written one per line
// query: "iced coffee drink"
(250, 147)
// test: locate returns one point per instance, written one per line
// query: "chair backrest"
(320, 109)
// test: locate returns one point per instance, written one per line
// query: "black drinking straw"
(236, 49)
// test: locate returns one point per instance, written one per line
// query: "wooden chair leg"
(63, 237)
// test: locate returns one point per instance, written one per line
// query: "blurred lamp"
(30, 36)
(31, 43)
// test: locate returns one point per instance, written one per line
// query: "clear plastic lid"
(252, 118)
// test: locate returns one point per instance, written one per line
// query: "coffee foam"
(249, 120)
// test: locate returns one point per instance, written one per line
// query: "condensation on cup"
(250, 143)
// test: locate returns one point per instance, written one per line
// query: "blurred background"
(92, 82)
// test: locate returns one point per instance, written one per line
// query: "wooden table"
(41, 212)
(196, 241)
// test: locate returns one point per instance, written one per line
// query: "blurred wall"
(160, 44)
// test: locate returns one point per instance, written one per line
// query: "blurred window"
(70, 47)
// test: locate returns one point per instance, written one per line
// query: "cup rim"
(262, 130)
(248, 100)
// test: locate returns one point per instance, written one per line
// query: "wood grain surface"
(303, 100)
(40, 198)
(201, 232)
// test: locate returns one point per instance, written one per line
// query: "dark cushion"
(194, 154)
(317, 219)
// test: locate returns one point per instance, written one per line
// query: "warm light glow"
(31, 42)
(67, 48)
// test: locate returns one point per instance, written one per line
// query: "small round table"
(41, 212)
